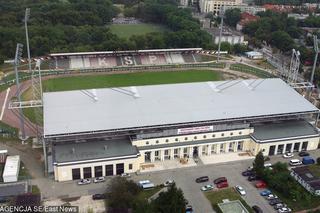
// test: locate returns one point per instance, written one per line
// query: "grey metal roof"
(130, 107)
(13, 189)
(93, 150)
(289, 129)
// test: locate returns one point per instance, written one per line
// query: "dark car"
(253, 177)
(220, 180)
(247, 173)
(274, 202)
(202, 179)
(257, 209)
(303, 154)
(98, 196)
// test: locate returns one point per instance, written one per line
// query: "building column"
(218, 148)
(171, 154)
(199, 151)
(209, 149)
(162, 155)
(92, 172)
(300, 146)
(152, 156)
(190, 151)
(181, 152)
(81, 173)
(235, 149)
(226, 148)
(104, 170)
(291, 150)
(276, 150)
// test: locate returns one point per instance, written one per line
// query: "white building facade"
(214, 6)
(127, 129)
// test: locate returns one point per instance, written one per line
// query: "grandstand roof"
(80, 111)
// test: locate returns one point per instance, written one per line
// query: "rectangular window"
(109, 170)
(76, 174)
(130, 166)
(98, 171)
(87, 172)
(119, 168)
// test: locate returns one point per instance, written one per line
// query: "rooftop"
(80, 111)
(92, 150)
(288, 129)
(234, 206)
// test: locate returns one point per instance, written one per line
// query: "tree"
(233, 16)
(318, 161)
(282, 40)
(239, 48)
(171, 201)
(258, 164)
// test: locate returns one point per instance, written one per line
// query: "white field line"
(4, 104)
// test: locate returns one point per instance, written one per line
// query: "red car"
(222, 185)
(261, 184)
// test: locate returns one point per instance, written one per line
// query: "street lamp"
(17, 59)
(26, 19)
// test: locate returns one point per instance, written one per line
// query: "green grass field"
(119, 80)
(127, 30)
(216, 197)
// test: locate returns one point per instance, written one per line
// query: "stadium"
(110, 131)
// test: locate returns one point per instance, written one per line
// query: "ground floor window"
(272, 149)
(288, 147)
(87, 172)
(280, 149)
(130, 166)
(98, 171)
(119, 168)
(147, 157)
(109, 170)
(304, 146)
(240, 145)
(296, 147)
(76, 174)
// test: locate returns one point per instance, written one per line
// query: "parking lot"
(185, 179)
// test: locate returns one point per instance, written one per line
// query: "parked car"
(220, 180)
(266, 165)
(257, 209)
(279, 206)
(260, 184)
(222, 185)
(125, 175)
(207, 188)
(84, 181)
(253, 177)
(295, 162)
(168, 182)
(271, 197)
(284, 210)
(303, 154)
(98, 196)
(274, 202)
(265, 192)
(288, 155)
(202, 179)
(189, 209)
(247, 173)
(308, 160)
(240, 190)
(99, 179)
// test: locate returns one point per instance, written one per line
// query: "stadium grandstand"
(109, 59)
(110, 131)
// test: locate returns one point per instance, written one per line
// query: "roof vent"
(73, 150)
(105, 147)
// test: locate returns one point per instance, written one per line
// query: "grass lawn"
(146, 194)
(127, 30)
(248, 69)
(216, 197)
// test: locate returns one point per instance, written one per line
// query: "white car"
(240, 190)
(207, 187)
(284, 210)
(288, 155)
(125, 175)
(84, 181)
(168, 182)
(267, 165)
(99, 179)
(271, 197)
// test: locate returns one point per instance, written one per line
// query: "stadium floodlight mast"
(26, 19)
(316, 50)
(221, 14)
(17, 59)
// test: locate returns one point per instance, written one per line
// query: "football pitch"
(127, 30)
(119, 80)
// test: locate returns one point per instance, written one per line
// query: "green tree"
(233, 16)
(282, 40)
(318, 161)
(171, 201)
(258, 164)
